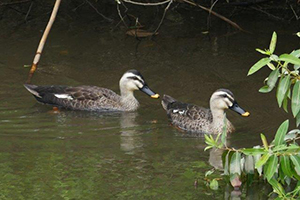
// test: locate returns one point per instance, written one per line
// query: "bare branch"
(43, 41)
(265, 12)
(147, 4)
(27, 14)
(120, 15)
(108, 19)
(16, 2)
(161, 21)
(297, 17)
(215, 14)
(210, 9)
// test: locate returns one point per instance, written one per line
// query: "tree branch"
(43, 41)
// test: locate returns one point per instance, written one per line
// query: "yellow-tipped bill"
(236, 108)
(155, 96)
(149, 92)
(246, 114)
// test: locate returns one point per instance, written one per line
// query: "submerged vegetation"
(278, 162)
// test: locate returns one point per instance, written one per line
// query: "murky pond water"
(88, 155)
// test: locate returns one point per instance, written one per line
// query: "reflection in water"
(215, 158)
(129, 138)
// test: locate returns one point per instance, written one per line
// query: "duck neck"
(218, 121)
(218, 116)
(128, 101)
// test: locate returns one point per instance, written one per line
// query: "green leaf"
(280, 148)
(235, 163)
(214, 185)
(262, 160)
(277, 187)
(253, 151)
(208, 147)
(271, 66)
(285, 165)
(281, 132)
(209, 172)
(209, 140)
(296, 99)
(273, 78)
(264, 141)
(272, 166)
(257, 157)
(296, 161)
(257, 66)
(293, 147)
(265, 89)
(273, 42)
(290, 59)
(261, 51)
(226, 164)
(296, 53)
(298, 119)
(282, 89)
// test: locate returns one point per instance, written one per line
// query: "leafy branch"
(285, 68)
(277, 162)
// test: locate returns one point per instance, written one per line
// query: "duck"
(94, 98)
(193, 118)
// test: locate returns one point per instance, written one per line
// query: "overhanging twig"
(43, 41)
(215, 14)
(16, 2)
(161, 21)
(108, 19)
(210, 9)
(27, 14)
(147, 4)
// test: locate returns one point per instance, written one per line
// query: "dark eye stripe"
(136, 79)
(228, 97)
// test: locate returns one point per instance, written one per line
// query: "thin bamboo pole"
(43, 41)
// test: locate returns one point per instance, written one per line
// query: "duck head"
(224, 99)
(133, 80)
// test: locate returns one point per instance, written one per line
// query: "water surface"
(88, 155)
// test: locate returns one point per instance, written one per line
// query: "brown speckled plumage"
(93, 98)
(197, 119)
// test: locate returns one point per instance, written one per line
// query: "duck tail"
(32, 90)
(166, 100)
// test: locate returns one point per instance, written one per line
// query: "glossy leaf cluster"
(285, 72)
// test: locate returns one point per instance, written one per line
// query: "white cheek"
(131, 86)
(222, 104)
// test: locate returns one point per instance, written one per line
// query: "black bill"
(235, 107)
(149, 92)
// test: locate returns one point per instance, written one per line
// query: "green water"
(83, 155)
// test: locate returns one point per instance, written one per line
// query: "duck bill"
(236, 108)
(149, 92)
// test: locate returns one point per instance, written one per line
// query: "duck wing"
(76, 98)
(188, 116)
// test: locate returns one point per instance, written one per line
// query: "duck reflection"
(215, 158)
(130, 141)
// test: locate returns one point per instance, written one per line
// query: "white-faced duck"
(93, 98)
(201, 120)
